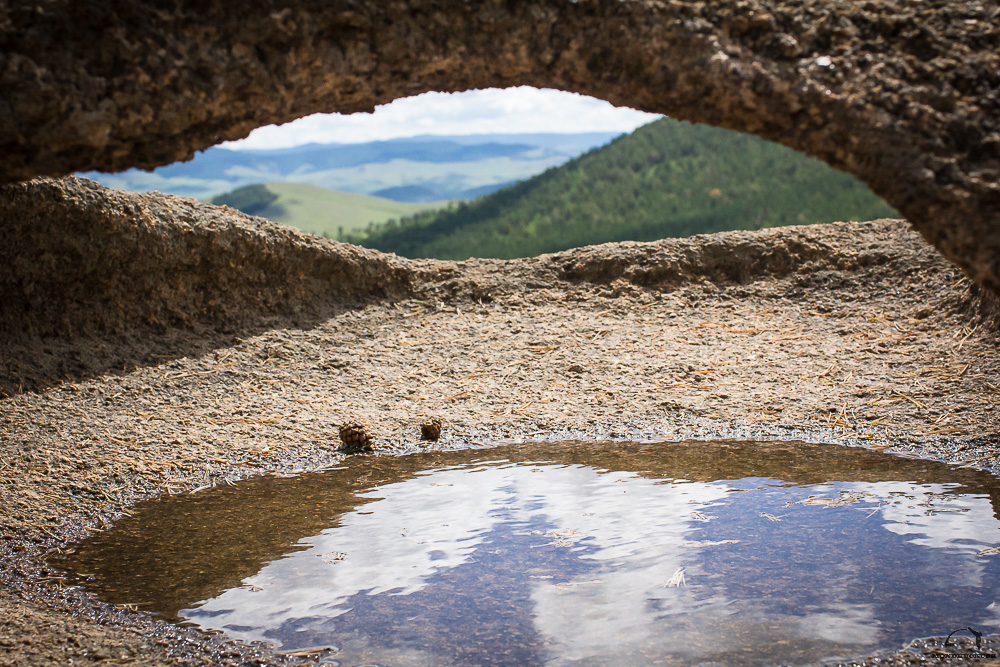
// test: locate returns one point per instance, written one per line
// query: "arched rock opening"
(904, 95)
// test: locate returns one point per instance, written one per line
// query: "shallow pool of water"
(697, 553)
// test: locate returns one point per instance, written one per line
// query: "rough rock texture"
(80, 260)
(77, 258)
(906, 95)
(855, 333)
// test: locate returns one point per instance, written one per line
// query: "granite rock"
(904, 95)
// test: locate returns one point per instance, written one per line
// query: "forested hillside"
(667, 179)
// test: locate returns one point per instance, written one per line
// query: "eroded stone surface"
(905, 95)
(79, 259)
(97, 280)
(848, 332)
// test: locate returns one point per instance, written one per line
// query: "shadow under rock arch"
(906, 96)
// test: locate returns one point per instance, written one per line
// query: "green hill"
(318, 210)
(666, 179)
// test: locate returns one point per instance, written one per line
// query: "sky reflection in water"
(694, 553)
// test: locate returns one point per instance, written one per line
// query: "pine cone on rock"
(355, 438)
(431, 430)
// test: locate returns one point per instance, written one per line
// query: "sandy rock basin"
(859, 335)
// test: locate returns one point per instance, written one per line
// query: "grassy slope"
(667, 179)
(321, 211)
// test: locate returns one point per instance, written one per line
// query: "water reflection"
(573, 553)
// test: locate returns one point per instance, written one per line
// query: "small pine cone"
(355, 438)
(431, 430)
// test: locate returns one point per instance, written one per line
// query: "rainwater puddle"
(698, 553)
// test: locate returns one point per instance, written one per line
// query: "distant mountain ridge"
(667, 179)
(413, 169)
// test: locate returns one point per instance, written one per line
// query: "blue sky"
(490, 111)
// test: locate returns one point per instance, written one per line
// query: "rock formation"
(904, 95)
(77, 258)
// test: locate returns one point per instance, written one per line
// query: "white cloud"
(490, 111)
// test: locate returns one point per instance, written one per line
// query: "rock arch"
(905, 95)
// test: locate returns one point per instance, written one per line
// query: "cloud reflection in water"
(628, 534)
